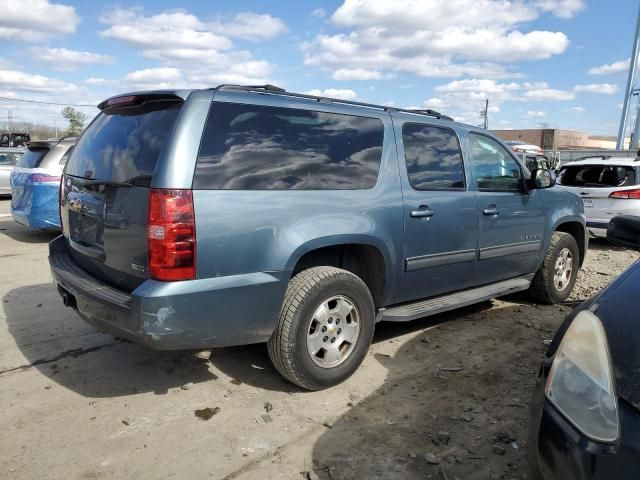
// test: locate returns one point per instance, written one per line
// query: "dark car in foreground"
(585, 416)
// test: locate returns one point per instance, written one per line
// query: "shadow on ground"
(455, 392)
(56, 342)
(23, 234)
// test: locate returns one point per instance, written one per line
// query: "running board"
(432, 306)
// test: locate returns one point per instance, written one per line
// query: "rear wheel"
(325, 328)
(554, 281)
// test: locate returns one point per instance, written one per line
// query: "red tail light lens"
(626, 194)
(171, 235)
(44, 178)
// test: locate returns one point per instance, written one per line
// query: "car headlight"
(580, 382)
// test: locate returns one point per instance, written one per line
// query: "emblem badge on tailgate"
(137, 267)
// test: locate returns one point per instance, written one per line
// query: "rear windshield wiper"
(139, 181)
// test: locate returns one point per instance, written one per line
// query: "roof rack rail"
(272, 89)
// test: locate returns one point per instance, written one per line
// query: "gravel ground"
(443, 398)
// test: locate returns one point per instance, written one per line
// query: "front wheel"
(556, 277)
(325, 328)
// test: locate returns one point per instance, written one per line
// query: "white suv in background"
(608, 187)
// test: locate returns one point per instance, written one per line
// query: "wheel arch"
(363, 256)
(577, 230)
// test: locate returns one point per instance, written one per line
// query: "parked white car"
(608, 187)
(8, 159)
(522, 147)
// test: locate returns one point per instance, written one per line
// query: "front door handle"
(422, 212)
(491, 211)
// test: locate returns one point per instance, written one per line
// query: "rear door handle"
(422, 213)
(491, 212)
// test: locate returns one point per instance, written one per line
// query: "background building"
(557, 139)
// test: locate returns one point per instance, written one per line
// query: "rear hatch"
(27, 166)
(105, 190)
(601, 187)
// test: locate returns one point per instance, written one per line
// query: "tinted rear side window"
(124, 144)
(433, 157)
(597, 176)
(32, 158)
(254, 147)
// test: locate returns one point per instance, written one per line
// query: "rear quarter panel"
(240, 231)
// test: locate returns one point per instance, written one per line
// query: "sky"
(551, 63)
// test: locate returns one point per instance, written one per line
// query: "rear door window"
(433, 157)
(124, 144)
(32, 158)
(597, 176)
(255, 147)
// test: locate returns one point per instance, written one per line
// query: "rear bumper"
(213, 312)
(37, 206)
(598, 228)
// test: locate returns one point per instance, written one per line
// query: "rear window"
(254, 147)
(32, 158)
(597, 176)
(123, 145)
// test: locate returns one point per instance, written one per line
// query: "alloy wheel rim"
(563, 269)
(333, 331)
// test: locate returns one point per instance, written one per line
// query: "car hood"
(617, 308)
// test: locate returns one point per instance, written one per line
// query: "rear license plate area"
(587, 202)
(84, 229)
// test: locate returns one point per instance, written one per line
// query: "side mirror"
(542, 178)
(624, 230)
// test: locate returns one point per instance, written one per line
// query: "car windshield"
(597, 176)
(32, 158)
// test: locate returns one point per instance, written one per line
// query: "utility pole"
(628, 91)
(484, 114)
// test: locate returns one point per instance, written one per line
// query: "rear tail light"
(44, 178)
(626, 194)
(171, 235)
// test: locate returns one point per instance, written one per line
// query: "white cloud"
(344, 94)
(535, 113)
(154, 78)
(611, 68)
(465, 99)
(356, 74)
(178, 39)
(548, 94)
(174, 30)
(21, 81)
(65, 60)
(99, 81)
(435, 103)
(577, 110)
(604, 88)
(319, 13)
(36, 20)
(251, 26)
(561, 8)
(432, 38)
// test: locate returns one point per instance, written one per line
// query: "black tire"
(543, 287)
(288, 344)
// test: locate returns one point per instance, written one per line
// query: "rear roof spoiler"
(138, 98)
(41, 144)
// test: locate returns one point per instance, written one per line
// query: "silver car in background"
(608, 187)
(8, 159)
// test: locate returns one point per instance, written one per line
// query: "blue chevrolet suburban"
(236, 215)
